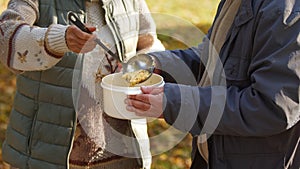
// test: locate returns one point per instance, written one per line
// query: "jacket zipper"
(36, 107)
(115, 31)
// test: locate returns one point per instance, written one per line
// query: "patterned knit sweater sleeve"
(25, 47)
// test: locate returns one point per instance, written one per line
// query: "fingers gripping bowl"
(115, 91)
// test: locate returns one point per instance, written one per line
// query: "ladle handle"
(75, 20)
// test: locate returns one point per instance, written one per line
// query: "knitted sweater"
(38, 52)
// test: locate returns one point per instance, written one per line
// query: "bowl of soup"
(116, 89)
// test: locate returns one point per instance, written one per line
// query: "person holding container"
(237, 93)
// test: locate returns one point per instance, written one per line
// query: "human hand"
(79, 41)
(119, 67)
(149, 103)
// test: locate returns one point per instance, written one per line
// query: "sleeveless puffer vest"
(43, 119)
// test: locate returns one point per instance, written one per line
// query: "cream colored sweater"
(25, 47)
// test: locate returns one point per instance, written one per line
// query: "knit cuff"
(55, 42)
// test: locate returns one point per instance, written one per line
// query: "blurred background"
(195, 13)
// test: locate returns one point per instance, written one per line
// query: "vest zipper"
(32, 127)
(36, 107)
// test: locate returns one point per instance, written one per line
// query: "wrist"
(55, 41)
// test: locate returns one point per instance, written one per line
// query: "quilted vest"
(43, 120)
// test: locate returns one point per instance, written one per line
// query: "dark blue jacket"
(253, 119)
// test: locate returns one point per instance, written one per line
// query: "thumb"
(151, 90)
(91, 28)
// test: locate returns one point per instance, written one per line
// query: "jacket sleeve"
(268, 106)
(180, 66)
(25, 47)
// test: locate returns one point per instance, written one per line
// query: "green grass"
(179, 23)
(3, 4)
(195, 11)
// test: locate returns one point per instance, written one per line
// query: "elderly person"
(238, 92)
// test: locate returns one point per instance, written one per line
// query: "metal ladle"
(136, 63)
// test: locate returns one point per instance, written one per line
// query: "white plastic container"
(116, 89)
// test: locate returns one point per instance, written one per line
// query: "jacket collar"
(245, 13)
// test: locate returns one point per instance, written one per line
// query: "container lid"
(115, 82)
